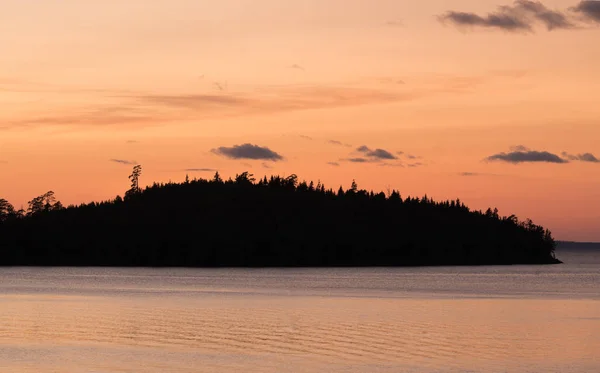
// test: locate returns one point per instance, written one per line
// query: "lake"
(446, 319)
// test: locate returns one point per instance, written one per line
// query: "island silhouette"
(269, 222)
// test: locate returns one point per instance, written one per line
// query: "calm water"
(485, 319)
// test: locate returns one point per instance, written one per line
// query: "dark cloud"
(521, 16)
(265, 165)
(123, 161)
(417, 164)
(200, 170)
(589, 9)
(492, 20)
(358, 160)
(375, 154)
(526, 157)
(335, 164)
(585, 157)
(248, 151)
(381, 154)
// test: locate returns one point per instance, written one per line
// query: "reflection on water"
(485, 319)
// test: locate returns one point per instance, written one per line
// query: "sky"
(493, 102)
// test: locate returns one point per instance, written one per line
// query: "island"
(270, 222)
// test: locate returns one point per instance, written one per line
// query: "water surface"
(459, 319)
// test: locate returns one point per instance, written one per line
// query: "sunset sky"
(494, 102)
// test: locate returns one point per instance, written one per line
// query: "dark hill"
(272, 222)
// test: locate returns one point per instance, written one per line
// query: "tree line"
(269, 221)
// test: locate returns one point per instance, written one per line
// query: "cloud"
(368, 155)
(408, 155)
(200, 170)
(297, 67)
(375, 154)
(417, 164)
(335, 164)
(358, 160)
(220, 86)
(585, 157)
(132, 141)
(339, 143)
(519, 148)
(527, 157)
(381, 154)
(392, 165)
(305, 137)
(521, 16)
(3, 162)
(123, 161)
(475, 174)
(265, 165)
(589, 9)
(248, 151)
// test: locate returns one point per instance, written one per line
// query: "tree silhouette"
(275, 221)
(6, 210)
(44, 203)
(135, 179)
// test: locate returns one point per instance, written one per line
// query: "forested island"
(269, 222)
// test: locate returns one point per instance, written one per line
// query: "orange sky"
(161, 83)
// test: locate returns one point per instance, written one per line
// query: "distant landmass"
(276, 221)
(578, 245)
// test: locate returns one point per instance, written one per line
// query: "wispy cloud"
(519, 148)
(475, 174)
(200, 170)
(335, 164)
(129, 109)
(521, 16)
(297, 67)
(392, 165)
(123, 161)
(248, 151)
(132, 141)
(339, 143)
